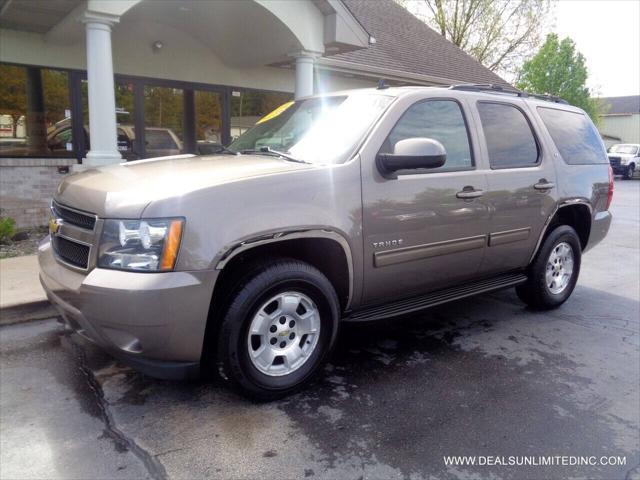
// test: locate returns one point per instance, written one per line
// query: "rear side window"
(574, 135)
(509, 137)
(441, 120)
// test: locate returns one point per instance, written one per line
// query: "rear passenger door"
(521, 181)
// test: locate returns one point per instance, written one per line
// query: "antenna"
(381, 84)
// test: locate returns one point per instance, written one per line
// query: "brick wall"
(27, 186)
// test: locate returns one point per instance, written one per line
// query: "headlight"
(140, 245)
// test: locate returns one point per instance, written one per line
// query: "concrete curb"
(27, 312)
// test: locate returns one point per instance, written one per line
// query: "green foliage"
(7, 229)
(559, 69)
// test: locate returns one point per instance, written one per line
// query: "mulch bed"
(26, 242)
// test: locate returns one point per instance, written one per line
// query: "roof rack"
(548, 98)
(491, 87)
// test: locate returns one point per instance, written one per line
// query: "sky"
(607, 33)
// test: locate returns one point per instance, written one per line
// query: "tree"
(559, 69)
(500, 34)
(13, 98)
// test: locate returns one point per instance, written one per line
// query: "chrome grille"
(71, 252)
(73, 217)
(614, 161)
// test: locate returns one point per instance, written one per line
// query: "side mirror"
(411, 154)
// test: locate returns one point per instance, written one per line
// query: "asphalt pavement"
(483, 377)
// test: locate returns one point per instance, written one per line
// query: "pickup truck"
(351, 206)
(624, 159)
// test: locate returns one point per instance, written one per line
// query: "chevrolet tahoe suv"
(351, 206)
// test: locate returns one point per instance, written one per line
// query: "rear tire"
(553, 274)
(280, 326)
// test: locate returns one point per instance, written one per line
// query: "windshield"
(316, 130)
(629, 149)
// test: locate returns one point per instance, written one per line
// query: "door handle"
(543, 184)
(468, 193)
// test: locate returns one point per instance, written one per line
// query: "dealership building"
(88, 83)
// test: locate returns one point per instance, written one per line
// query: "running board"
(401, 307)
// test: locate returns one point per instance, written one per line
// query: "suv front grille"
(614, 161)
(74, 217)
(71, 252)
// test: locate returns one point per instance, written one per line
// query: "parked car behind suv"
(624, 159)
(352, 206)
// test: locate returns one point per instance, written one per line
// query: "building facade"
(92, 82)
(621, 121)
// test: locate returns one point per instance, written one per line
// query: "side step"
(432, 299)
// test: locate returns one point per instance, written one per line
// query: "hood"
(124, 190)
(621, 155)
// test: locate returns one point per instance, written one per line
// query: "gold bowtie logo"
(54, 226)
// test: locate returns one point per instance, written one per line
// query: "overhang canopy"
(240, 32)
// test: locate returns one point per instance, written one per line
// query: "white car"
(624, 158)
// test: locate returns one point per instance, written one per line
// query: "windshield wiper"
(273, 153)
(228, 151)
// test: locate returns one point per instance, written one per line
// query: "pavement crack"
(152, 464)
(166, 452)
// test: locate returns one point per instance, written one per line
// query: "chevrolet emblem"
(54, 225)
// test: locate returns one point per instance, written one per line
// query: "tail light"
(610, 193)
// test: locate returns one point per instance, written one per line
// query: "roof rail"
(488, 87)
(491, 87)
(548, 98)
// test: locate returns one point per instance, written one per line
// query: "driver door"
(425, 229)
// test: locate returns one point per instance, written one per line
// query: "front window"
(440, 120)
(626, 149)
(316, 130)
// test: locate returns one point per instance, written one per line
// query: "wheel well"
(326, 255)
(576, 216)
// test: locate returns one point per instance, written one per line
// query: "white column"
(102, 102)
(304, 73)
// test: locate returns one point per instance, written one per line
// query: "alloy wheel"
(283, 333)
(559, 268)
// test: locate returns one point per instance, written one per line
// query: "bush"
(7, 229)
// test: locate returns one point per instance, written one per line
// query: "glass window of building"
(124, 118)
(163, 119)
(247, 107)
(35, 112)
(208, 122)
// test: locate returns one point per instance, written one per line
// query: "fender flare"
(223, 258)
(564, 203)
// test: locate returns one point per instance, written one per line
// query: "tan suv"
(353, 206)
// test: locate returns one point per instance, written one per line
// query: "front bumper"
(154, 321)
(619, 169)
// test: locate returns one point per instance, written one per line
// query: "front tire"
(554, 272)
(628, 174)
(279, 329)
